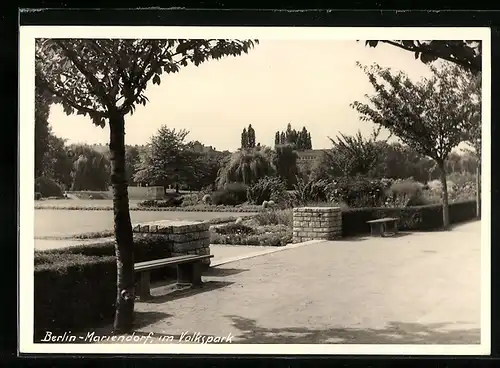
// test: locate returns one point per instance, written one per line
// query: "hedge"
(73, 291)
(75, 287)
(428, 217)
(147, 247)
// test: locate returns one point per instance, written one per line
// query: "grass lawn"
(66, 222)
(81, 203)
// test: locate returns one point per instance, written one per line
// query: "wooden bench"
(189, 269)
(379, 227)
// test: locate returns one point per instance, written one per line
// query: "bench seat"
(379, 227)
(189, 269)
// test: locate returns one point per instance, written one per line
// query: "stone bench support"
(316, 223)
(182, 237)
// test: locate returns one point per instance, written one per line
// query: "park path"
(422, 288)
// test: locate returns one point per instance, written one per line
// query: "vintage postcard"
(246, 190)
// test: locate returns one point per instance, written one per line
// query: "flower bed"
(268, 228)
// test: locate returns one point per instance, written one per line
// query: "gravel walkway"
(420, 288)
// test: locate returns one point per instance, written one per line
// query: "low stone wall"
(316, 223)
(182, 237)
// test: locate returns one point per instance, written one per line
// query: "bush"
(234, 228)
(75, 287)
(169, 201)
(429, 217)
(206, 199)
(190, 200)
(310, 191)
(359, 191)
(147, 247)
(407, 192)
(231, 194)
(38, 196)
(47, 187)
(73, 291)
(272, 239)
(275, 217)
(266, 189)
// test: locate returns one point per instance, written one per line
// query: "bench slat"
(386, 219)
(159, 263)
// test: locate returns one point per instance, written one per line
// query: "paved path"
(419, 288)
(64, 222)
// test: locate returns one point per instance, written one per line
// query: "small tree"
(105, 79)
(251, 137)
(244, 138)
(285, 162)
(167, 159)
(355, 155)
(90, 169)
(246, 166)
(430, 116)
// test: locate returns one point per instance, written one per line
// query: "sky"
(306, 83)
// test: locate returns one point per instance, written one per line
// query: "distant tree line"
(300, 140)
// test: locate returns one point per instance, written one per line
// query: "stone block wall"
(316, 223)
(182, 237)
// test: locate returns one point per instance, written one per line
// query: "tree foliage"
(354, 155)
(42, 128)
(465, 53)
(166, 160)
(430, 116)
(105, 79)
(91, 169)
(300, 140)
(247, 166)
(99, 77)
(248, 137)
(285, 162)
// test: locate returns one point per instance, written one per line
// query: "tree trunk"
(124, 245)
(478, 191)
(446, 217)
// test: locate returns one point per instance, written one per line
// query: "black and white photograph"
(253, 190)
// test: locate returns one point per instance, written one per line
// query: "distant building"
(308, 157)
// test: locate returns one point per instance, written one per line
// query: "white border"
(26, 169)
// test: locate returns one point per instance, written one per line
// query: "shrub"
(73, 291)
(407, 192)
(206, 199)
(75, 287)
(190, 200)
(234, 228)
(429, 217)
(47, 187)
(359, 191)
(147, 247)
(273, 239)
(310, 191)
(275, 217)
(266, 189)
(38, 196)
(169, 201)
(231, 194)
